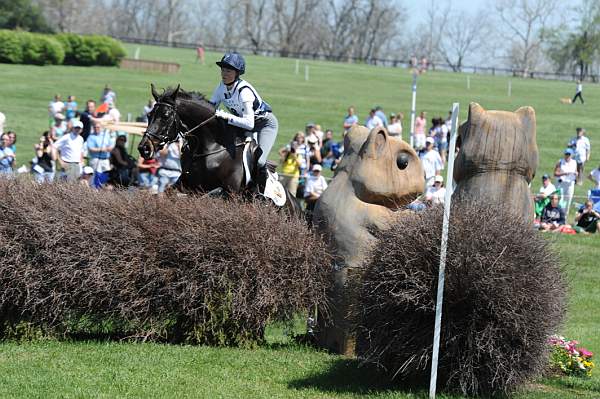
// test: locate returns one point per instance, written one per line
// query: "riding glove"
(223, 115)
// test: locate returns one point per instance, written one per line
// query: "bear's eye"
(402, 161)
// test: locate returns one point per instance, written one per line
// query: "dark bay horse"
(212, 155)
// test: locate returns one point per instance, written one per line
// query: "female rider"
(246, 108)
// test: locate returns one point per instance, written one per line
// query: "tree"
(22, 14)
(463, 36)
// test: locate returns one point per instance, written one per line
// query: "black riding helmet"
(234, 61)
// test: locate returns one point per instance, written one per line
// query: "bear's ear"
(527, 116)
(476, 112)
(376, 143)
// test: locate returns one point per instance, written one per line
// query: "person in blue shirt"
(350, 120)
(99, 145)
(70, 108)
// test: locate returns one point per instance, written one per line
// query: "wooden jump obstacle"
(148, 65)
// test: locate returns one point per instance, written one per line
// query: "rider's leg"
(266, 138)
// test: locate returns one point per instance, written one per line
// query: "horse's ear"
(175, 92)
(154, 93)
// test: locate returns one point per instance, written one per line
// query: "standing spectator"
(327, 157)
(302, 151)
(350, 120)
(594, 176)
(147, 109)
(54, 107)
(44, 159)
(578, 92)
(381, 115)
(315, 185)
(147, 172)
(6, 156)
(582, 149)
(2, 122)
(290, 168)
(320, 134)
(395, 126)
(59, 127)
(419, 136)
(373, 120)
(553, 215)
(108, 95)
(566, 173)
(588, 220)
(87, 117)
(441, 139)
(70, 152)
(170, 165)
(432, 162)
(200, 53)
(309, 131)
(70, 108)
(99, 147)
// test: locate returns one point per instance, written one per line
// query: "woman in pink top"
(419, 137)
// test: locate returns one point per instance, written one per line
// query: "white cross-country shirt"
(242, 101)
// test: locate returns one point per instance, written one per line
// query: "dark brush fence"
(80, 263)
(504, 295)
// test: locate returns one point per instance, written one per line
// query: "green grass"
(283, 369)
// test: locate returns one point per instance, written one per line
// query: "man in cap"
(315, 185)
(70, 152)
(565, 172)
(542, 198)
(435, 194)
(432, 162)
(581, 152)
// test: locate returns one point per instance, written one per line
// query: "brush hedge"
(504, 295)
(80, 263)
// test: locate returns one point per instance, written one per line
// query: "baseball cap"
(568, 151)
(58, 115)
(312, 139)
(438, 178)
(88, 170)
(317, 167)
(77, 124)
(545, 177)
(310, 124)
(430, 140)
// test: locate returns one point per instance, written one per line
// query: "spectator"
(441, 139)
(553, 216)
(56, 106)
(121, 163)
(310, 131)
(108, 95)
(315, 185)
(2, 122)
(432, 162)
(99, 147)
(71, 108)
(395, 126)
(147, 172)
(6, 156)
(373, 120)
(350, 120)
(594, 176)
(587, 219)
(86, 178)
(147, 109)
(43, 168)
(319, 133)
(578, 92)
(170, 166)
(314, 151)
(59, 127)
(543, 197)
(88, 117)
(419, 135)
(290, 169)
(581, 148)
(566, 172)
(435, 194)
(70, 152)
(326, 149)
(381, 115)
(200, 53)
(12, 137)
(302, 151)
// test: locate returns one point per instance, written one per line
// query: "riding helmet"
(233, 61)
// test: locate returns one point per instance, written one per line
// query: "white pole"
(297, 67)
(444, 246)
(306, 72)
(509, 87)
(413, 110)
(468, 82)
(136, 56)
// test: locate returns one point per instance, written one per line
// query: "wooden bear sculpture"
(378, 175)
(497, 160)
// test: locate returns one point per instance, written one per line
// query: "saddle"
(265, 182)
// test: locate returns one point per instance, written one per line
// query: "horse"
(212, 157)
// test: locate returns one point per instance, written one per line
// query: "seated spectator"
(436, 194)
(588, 220)
(315, 185)
(170, 166)
(6, 156)
(43, 168)
(99, 146)
(147, 172)
(122, 164)
(326, 153)
(290, 168)
(59, 128)
(12, 136)
(542, 198)
(373, 120)
(553, 215)
(86, 177)
(594, 176)
(395, 126)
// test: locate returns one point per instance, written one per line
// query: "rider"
(247, 109)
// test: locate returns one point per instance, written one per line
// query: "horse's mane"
(192, 96)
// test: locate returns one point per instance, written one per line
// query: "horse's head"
(163, 123)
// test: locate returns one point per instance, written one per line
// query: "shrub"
(40, 49)
(79, 263)
(11, 50)
(504, 295)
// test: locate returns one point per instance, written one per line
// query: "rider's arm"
(216, 97)
(246, 121)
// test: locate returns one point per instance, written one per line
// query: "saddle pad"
(274, 190)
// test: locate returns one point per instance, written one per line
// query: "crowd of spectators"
(79, 145)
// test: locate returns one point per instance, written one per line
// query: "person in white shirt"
(546, 189)
(373, 120)
(70, 151)
(582, 149)
(245, 108)
(314, 187)
(432, 162)
(566, 173)
(395, 125)
(435, 194)
(578, 92)
(2, 120)
(594, 176)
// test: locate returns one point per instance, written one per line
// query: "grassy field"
(283, 369)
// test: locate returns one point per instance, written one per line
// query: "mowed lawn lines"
(112, 370)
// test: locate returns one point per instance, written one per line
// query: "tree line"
(526, 35)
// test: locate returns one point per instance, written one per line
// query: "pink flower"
(585, 353)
